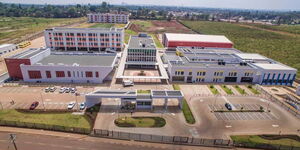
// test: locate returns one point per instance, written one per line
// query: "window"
(69, 73)
(89, 74)
(48, 74)
(60, 74)
(34, 74)
(190, 73)
(97, 74)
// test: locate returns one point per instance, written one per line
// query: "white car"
(71, 105)
(47, 89)
(62, 90)
(82, 106)
(127, 83)
(73, 90)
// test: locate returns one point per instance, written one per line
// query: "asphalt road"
(26, 141)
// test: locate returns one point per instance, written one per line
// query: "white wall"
(103, 72)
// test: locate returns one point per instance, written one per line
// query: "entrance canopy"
(96, 96)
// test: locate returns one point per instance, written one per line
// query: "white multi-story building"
(6, 48)
(85, 39)
(108, 18)
(141, 52)
(225, 66)
(42, 65)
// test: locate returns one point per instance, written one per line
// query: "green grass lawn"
(240, 90)
(103, 25)
(283, 48)
(143, 91)
(61, 119)
(226, 89)
(13, 28)
(253, 90)
(213, 89)
(143, 24)
(128, 33)
(295, 29)
(150, 122)
(156, 40)
(255, 139)
(188, 115)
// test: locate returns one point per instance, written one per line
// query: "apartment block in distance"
(44, 65)
(141, 52)
(108, 18)
(85, 39)
(221, 65)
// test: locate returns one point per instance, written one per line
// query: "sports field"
(281, 43)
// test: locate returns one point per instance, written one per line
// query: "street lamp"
(76, 94)
(43, 100)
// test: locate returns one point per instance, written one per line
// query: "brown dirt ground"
(162, 26)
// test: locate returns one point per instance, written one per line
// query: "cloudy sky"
(244, 4)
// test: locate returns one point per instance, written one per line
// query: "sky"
(240, 4)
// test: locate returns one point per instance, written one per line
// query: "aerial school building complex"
(225, 65)
(85, 39)
(108, 18)
(42, 65)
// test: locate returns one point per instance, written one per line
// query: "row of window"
(84, 34)
(33, 74)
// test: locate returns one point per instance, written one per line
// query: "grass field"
(62, 119)
(283, 48)
(255, 139)
(106, 25)
(295, 29)
(13, 28)
(188, 115)
(240, 90)
(146, 122)
(226, 89)
(143, 91)
(213, 89)
(253, 90)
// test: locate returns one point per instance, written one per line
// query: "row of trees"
(54, 11)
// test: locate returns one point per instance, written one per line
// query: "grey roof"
(137, 42)
(81, 60)
(27, 53)
(84, 29)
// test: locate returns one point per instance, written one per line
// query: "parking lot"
(244, 116)
(21, 97)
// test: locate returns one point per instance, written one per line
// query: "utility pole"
(12, 138)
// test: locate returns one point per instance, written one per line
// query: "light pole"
(43, 100)
(76, 101)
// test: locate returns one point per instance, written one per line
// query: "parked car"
(62, 90)
(127, 83)
(228, 106)
(47, 89)
(52, 89)
(33, 105)
(71, 105)
(73, 90)
(68, 90)
(82, 106)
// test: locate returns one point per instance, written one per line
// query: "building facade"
(42, 65)
(141, 52)
(6, 48)
(174, 40)
(108, 18)
(225, 66)
(85, 39)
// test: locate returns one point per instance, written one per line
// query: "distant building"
(219, 65)
(174, 40)
(141, 52)
(85, 39)
(108, 18)
(6, 48)
(42, 65)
